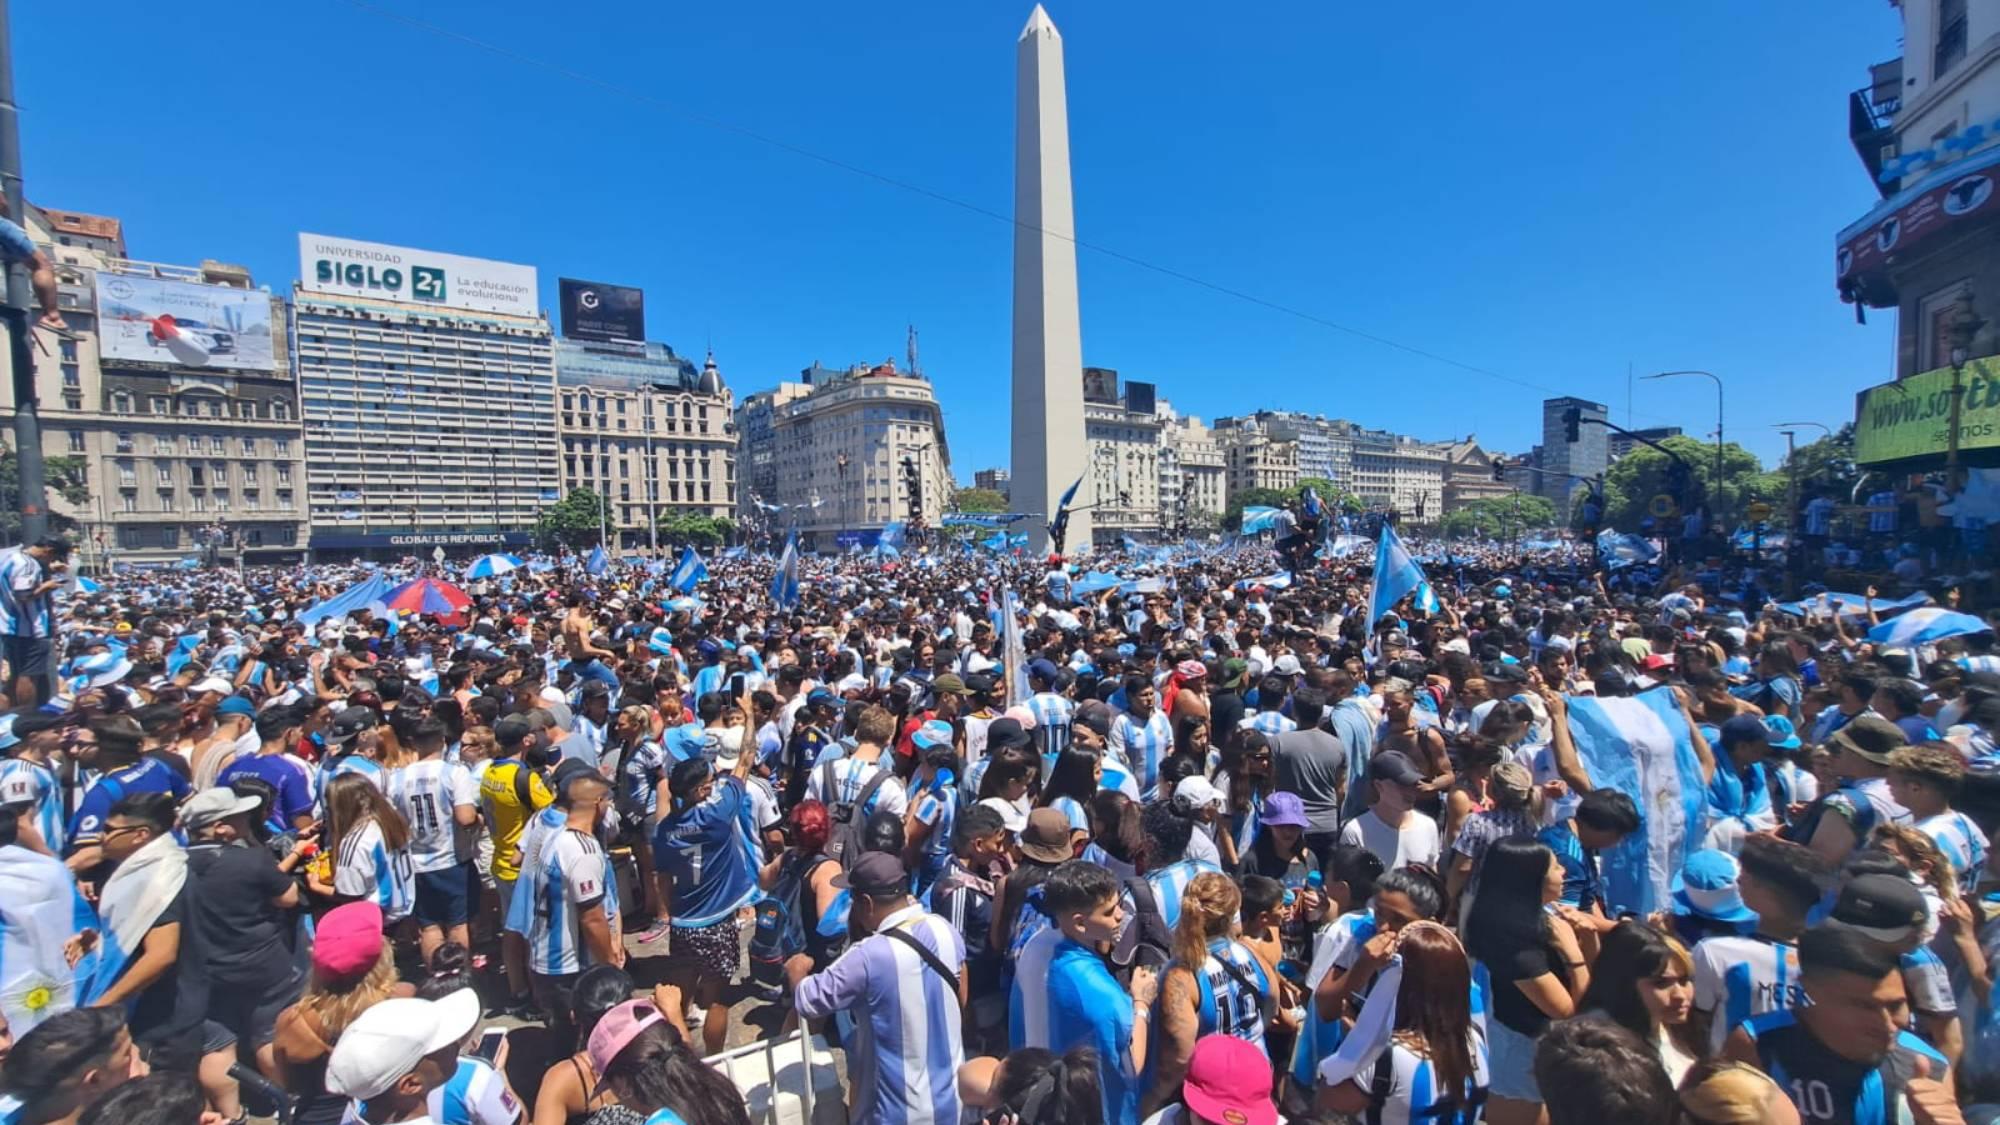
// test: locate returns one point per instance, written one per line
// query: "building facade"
(176, 397)
(1326, 447)
(1618, 445)
(1122, 469)
(642, 427)
(1927, 129)
(833, 455)
(1393, 472)
(1469, 475)
(1564, 462)
(1193, 477)
(428, 389)
(993, 480)
(1251, 458)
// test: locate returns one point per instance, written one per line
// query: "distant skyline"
(1549, 198)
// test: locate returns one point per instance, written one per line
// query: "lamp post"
(1718, 423)
(1793, 517)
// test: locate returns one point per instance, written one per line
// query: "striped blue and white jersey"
(1229, 998)
(427, 792)
(1270, 723)
(1961, 841)
(475, 1094)
(1737, 978)
(1825, 1086)
(1865, 804)
(1028, 1011)
(1980, 663)
(365, 867)
(850, 777)
(571, 876)
(23, 782)
(1054, 716)
(1143, 746)
(1079, 817)
(1414, 1094)
(1170, 883)
(20, 614)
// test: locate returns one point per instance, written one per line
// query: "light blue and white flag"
(598, 562)
(895, 534)
(40, 910)
(492, 566)
(1059, 522)
(736, 552)
(1257, 519)
(1397, 576)
(689, 571)
(1849, 605)
(785, 583)
(1619, 549)
(135, 896)
(1640, 747)
(1926, 625)
(1013, 651)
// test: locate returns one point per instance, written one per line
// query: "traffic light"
(1572, 424)
(913, 477)
(1499, 469)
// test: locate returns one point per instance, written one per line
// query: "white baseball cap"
(388, 1040)
(1197, 792)
(215, 684)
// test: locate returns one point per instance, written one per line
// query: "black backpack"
(843, 846)
(780, 933)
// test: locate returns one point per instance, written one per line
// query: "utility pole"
(1792, 520)
(33, 491)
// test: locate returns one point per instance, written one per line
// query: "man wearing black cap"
(910, 968)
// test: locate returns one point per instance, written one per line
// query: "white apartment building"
(177, 397)
(1122, 472)
(1251, 458)
(428, 386)
(1193, 478)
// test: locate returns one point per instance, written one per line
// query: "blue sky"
(1552, 193)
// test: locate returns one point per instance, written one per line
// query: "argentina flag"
(785, 583)
(598, 562)
(1640, 747)
(40, 910)
(689, 571)
(1397, 576)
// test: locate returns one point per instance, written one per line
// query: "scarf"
(132, 901)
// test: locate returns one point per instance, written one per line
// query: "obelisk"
(1048, 446)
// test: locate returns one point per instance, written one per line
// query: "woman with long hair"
(1244, 778)
(1644, 980)
(1072, 783)
(1117, 842)
(369, 841)
(1533, 966)
(1214, 985)
(571, 1087)
(353, 969)
(1435, 1066)
(1193, 741)
(646, 1065)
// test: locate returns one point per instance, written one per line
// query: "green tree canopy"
(574, 520)
(1826, 465)
(700, 532)
(66, 477)
(1500, 518)
(978, 500)
(1642, 474)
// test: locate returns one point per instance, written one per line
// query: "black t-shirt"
(1511, 1006)
(178, 1000)
(1225, 714)
(243, 932)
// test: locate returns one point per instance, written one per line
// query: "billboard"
(1100, 384)
(592, 310)
(183, 322)
(1912, 417)
(1140, 398)
(344, 267)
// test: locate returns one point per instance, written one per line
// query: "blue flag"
(1059, 522)
(598, 562)
(688, 571)
(1397, 576)
(785, 583)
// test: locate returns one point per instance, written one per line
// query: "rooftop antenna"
(915, 369)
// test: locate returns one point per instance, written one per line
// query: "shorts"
(28, 656)
(249, 1009)
(180, 1050)
(447, 897)
(717, 949)
(1510, 1063)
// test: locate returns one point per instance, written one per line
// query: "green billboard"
(1911, 417)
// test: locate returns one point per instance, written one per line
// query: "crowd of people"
(1217, 844)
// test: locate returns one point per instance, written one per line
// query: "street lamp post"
(1718, 423)
(1793, 517)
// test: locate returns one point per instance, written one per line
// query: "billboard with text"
(344, 267)
(152, 320)
(592, 310)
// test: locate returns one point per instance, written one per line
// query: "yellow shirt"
(506, 817)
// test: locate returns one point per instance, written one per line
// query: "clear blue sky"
(1549, 192)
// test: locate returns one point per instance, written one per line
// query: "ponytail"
(1209, 908)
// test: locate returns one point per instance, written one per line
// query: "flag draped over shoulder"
(1397, 576)
(132, 901)
(1640, 747)
(689, 571)
(40, 910)
(785, 583)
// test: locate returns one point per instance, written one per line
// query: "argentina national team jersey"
(365, 867)
(475, 1094)
(1824, 1086)
(1270, 722)
(710, 852)
(1415, 1094)
(427, 792)
(1738, 978)
(1143, 747)
(1054, 715)
(1229, 998)
(23, 782)
(1169, 883)
(20, 615)
(571, 876)
(1952, 831)
(1337, 946)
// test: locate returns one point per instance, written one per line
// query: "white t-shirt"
(1416, 842)
(426, 792)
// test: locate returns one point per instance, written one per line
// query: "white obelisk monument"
(1048, 446)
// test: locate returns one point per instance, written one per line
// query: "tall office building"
(1618, 445)
(993, 480)
(428, 387)
(829, 452)
(1567, 465)
(1122, 465)
(173, 396)
(649, 431)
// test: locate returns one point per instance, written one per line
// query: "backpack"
(780, 927)
(1144, 929)
(844, 845)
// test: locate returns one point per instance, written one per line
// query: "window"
(72, 375)
(252, 499)
(170, 537)
(158, 404)
(129, 537)
(199, 501)
(280, 411)
(166, 499)
(128, 502)
(68, 351)
(284, 447)
(76, 441)
(121, 403)
(124, 441)
(163, 443)
(249, 472)
(190, 408)
(284, 500)
(250, 446)
(284, 474)
(1934, 316)
(221, 501)
(128, 476)
(246, 410)
(1950, 37)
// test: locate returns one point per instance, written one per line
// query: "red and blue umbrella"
(428, 596)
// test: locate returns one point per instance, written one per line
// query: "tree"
(66, 477)
(1331, 494)
(1232, 516)
(1826, 465)
(1500, 518)
(574, 520)
(1636, 478)
(700, 532)
(978, 500)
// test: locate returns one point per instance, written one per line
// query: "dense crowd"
(1217, 843)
